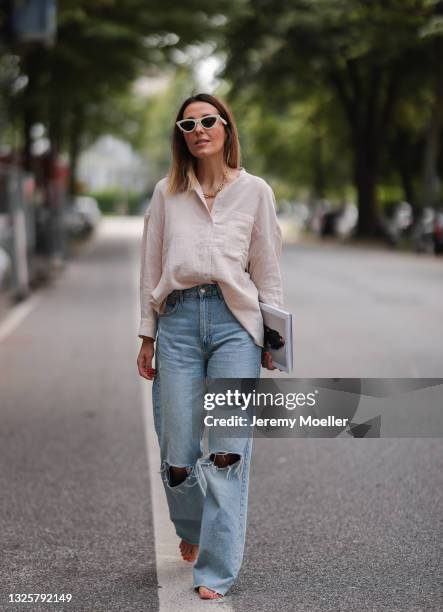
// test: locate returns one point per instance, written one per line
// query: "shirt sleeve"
(265, 251)
(151, 263)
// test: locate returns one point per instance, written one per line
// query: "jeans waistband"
(203, 290)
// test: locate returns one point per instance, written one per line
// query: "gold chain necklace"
(208, 195)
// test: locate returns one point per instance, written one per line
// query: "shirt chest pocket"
(237, 230)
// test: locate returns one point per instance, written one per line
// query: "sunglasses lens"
(188, 126)
(208, 122)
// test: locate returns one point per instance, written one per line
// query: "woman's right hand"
(144, 360)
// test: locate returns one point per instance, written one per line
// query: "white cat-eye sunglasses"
(208, 122)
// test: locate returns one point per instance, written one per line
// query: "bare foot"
(206, 593)
(189, 551)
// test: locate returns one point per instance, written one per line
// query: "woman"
(210, 251)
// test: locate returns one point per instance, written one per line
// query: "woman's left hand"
(266, 360)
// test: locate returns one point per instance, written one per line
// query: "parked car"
(423, 234)
(438, 232)
(5, 268)
(427, 234)
(89, 209)
(317, 211)
(346, 222)
(340, 221)
(328, 221)
(74, 221)
(396, 220)
(82, 216)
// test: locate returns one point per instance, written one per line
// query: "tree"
(362, 51)
(432, 31)
(101, 47)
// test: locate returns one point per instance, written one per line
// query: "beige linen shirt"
(237, 244)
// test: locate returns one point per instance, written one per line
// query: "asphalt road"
(75, 504)
(345, 524)
(364, 312)
(334, 524)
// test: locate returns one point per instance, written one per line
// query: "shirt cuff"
(148, 327)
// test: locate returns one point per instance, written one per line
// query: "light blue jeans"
(200, 339)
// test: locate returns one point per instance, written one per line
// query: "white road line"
(17, 314)
(174, 575)
(176, 592)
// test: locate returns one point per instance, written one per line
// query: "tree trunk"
(27, 140)
(430, 179)
(431, 183)
(74, 149)
(366, 118)
(403, 160)
(319, 176)
(365, 177)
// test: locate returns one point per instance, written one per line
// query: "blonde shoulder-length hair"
(182, 174)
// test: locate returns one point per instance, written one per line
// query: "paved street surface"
(75, 503)
(333, 524)
(364, 312)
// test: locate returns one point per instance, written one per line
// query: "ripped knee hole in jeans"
(190, 475)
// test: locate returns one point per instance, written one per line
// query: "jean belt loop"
(181, 296)
(219, 291)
